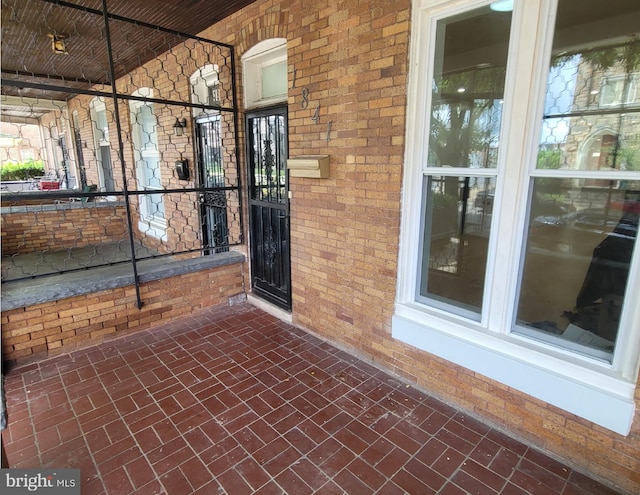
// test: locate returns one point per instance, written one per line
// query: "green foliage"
(463, 117)
(629, 158)
(22, 171)
(550, 187)
(626, 56)
(549, 159)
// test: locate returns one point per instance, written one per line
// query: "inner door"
(267, 153)
(213, 202)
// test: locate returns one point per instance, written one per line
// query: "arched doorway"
(265, 96)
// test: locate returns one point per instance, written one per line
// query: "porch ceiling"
(27, 55)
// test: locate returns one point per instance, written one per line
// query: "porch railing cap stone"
(26, 293)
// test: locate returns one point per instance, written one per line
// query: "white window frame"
(593, 389)
(148, 223)
(201, 80)
(100, 137)
(27, 154)
(264, 54)
(627, 93)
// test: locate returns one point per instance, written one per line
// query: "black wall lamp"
(179, 126)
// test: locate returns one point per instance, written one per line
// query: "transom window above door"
(265, 73)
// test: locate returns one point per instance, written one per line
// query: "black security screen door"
(213, 203)
(269, 205)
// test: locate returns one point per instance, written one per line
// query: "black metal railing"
(128, 123)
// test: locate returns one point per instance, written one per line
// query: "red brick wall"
(62, 228)
(48, 328)
(353, 58)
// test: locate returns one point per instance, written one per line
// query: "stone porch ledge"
(55, 287)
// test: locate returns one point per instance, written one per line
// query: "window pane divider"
(460, 171)
(613, 110)
(602, 174)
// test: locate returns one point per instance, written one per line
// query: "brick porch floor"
(231, 400)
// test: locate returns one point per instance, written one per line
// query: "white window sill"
(586, 391)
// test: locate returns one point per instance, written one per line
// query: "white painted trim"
(264, 54)
(33, 103)
(264, 47)
(96, 106)
(610, 408)
(154, 228)
(207, 73)
(147, 223)
(201, 80)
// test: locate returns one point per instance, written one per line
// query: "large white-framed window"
(146, 154)
(516, 260)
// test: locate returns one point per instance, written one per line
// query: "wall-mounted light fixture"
(179, 126)
(58, 44)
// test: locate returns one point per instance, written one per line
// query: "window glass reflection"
(464, 132)
(591, 115)
(578, 252)
(583, 217)
(468, 87)
(458, 214)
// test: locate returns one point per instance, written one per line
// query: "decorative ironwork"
(271, 247)
(214, 204)
(122, 206)
(268, 162)
(268, 201)
(216, 199)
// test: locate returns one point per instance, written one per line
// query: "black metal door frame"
(212, 199)
(268, 183)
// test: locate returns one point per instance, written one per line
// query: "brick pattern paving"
(231, 400)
